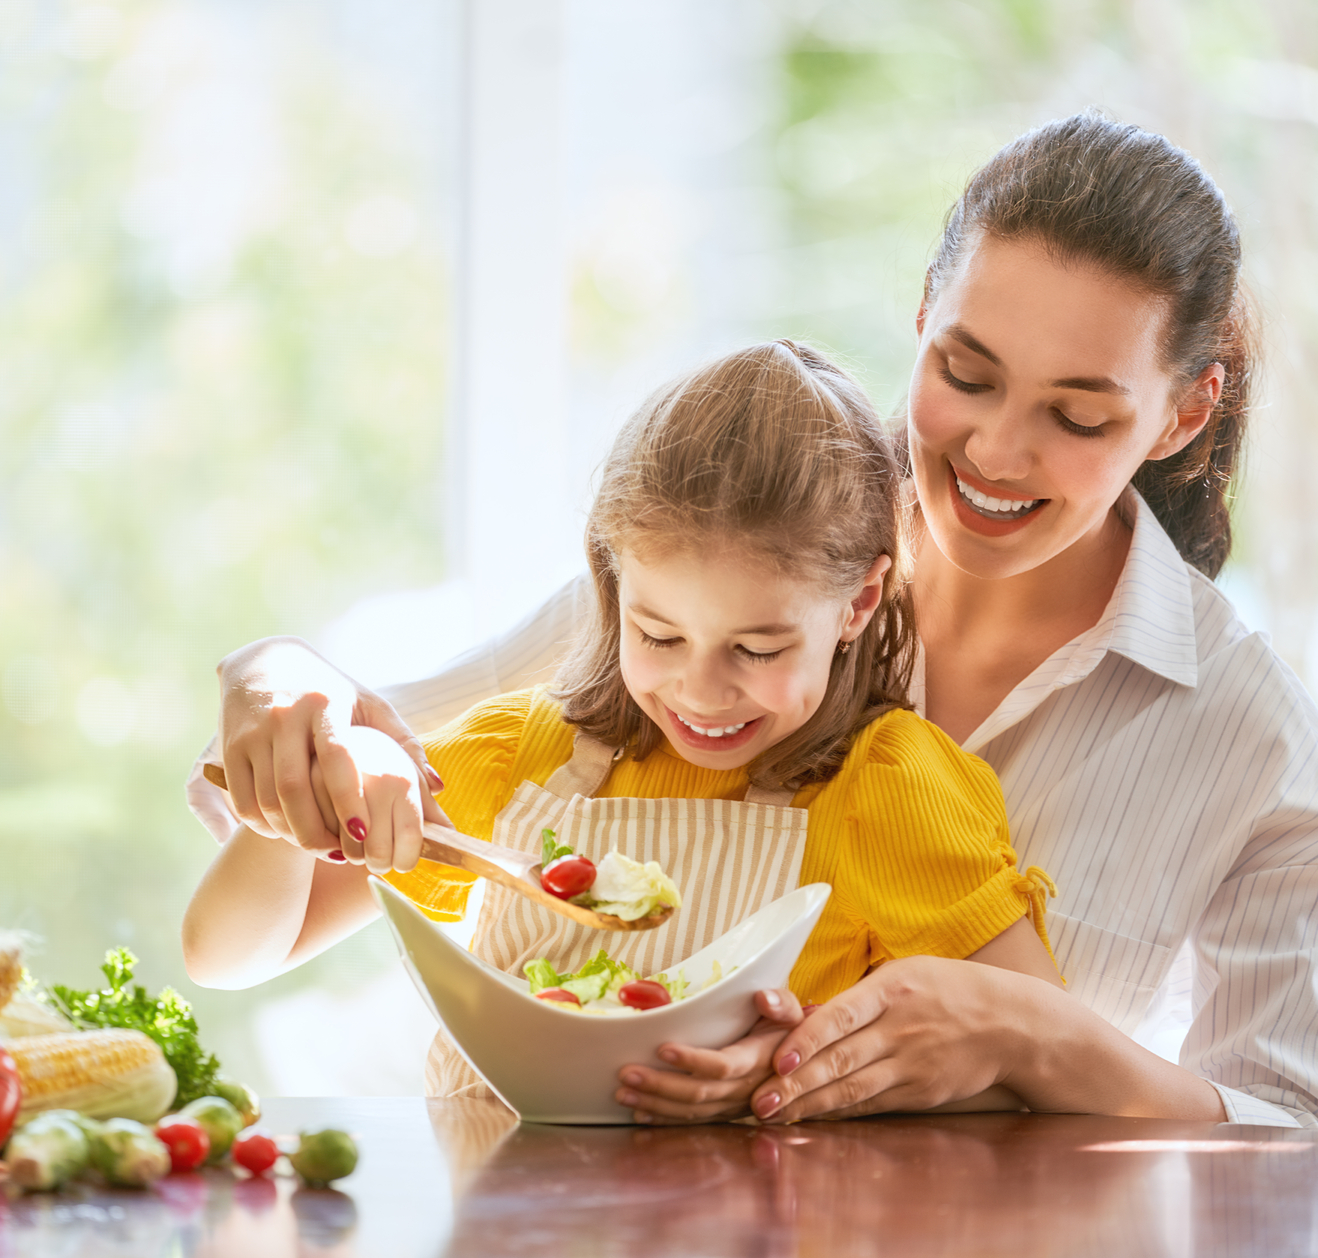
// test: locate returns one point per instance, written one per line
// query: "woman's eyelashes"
(757, 657)
(961, 386)
(1080, 430)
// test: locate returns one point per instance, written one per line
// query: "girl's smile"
(727, 654)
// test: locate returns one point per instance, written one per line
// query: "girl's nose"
(706, 686)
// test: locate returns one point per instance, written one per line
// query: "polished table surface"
(462, 1178)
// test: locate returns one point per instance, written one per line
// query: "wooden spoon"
(518, 871)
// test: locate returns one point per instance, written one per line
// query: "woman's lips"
(992, 525)
(703, 742)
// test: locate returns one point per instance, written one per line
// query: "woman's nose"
(998, 446)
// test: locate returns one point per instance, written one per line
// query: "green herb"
(549, 849)
(166, 1018)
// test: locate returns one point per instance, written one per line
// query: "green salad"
(606, 986)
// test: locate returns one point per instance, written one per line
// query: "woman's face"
(726, 654)
(1037, 393)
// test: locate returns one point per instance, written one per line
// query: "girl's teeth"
(985, 503)
(717, 731)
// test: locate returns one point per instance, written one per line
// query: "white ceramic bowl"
(554, 1066)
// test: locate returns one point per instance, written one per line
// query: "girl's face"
(727, 655)
(1037, 393)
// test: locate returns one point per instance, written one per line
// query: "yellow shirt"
(911, 833)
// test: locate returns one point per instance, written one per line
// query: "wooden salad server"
(518, 871)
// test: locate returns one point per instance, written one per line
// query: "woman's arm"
(281, 703)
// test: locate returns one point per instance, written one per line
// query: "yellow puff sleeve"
(474, 756)
(919, 857)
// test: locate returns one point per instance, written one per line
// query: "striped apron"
(729, 859)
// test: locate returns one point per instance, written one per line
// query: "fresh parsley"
(166, 1018)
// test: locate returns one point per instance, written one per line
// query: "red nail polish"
(336, 855)
(357, 828)
(788, 1062)
(807, 1010)
(436, 782)
(767, 1105)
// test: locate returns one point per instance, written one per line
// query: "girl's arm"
(265, 906)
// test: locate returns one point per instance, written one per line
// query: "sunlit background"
(316, 317)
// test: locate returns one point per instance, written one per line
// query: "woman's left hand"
(916, 1033)
(710, 1085)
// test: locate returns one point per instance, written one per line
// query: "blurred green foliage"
(220, 417)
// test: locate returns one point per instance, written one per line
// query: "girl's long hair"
(775, 453)
(1136, 206)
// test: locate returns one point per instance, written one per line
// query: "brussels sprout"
(127, 1153)
(323, 1156)
(220, 1119)
(47, 1152)
(241, 1097)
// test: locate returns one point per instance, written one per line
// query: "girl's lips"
(703, 742)
(982, 524)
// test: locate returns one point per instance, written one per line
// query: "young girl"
(736, 711)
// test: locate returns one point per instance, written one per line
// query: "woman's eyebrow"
(1089, 384)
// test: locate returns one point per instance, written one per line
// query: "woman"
(1075, 416)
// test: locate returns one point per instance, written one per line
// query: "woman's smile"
(988, 511)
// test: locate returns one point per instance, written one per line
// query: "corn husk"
(25, 1015)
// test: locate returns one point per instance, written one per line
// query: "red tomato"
(644, 994)
(567, 876)
(557, 993)
(11, 1095)
(187, 1141)
(254, 1150)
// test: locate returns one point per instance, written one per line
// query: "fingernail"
(667, 1054)
(357, 828)
(436, 782)
(788, 1062)
(767, 1105)
(627, 1098)
(335, 855)
(807, 1010)
(633, 1078)
(642, 1117)
(773, 1000)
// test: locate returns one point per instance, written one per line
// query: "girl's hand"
(283, 705)
(715, 1084)
(393, 799)
(917, 1033)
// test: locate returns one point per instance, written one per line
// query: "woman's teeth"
(1002, 506)
(715, 731)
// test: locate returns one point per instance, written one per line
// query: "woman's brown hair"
(776, 453)
(1134, 205)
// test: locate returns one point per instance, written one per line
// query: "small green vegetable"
(549, 849)
(128, 1153)
(166, 1018)
(241, 1097)
(47, 1152)
(323, 1156)
(219, 1118)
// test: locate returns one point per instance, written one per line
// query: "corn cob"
(102, 1074)
(11, 964)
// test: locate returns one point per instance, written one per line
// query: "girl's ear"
(867, 601)
(1192, 413)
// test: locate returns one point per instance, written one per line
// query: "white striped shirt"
(1163, 768)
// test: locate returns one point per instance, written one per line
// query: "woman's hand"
(281, 705)
(916, 1033)
(714, 1084)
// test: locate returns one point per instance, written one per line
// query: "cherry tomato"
(560, 994)
(187, 1141)
(567, 876)
(11, 1095)
(254, 1150)
(644, 994)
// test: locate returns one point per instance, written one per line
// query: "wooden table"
(462, 1179)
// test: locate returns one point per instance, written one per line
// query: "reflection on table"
(462, 1178)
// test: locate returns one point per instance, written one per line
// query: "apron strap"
(781, 797)
(586, 772)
